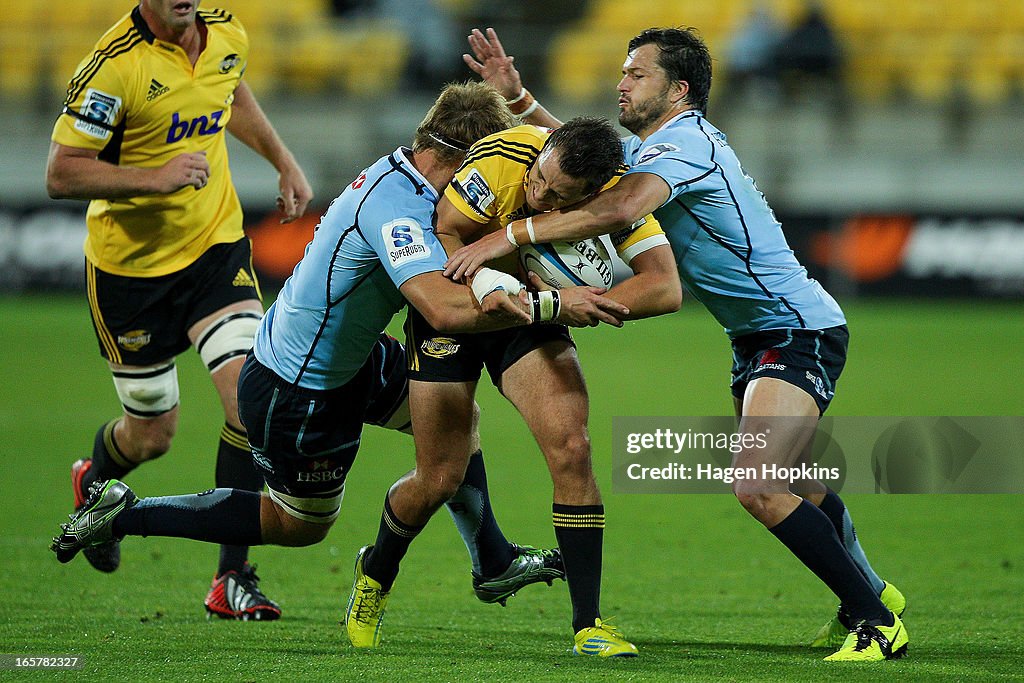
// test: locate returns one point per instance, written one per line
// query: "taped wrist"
(546, 306)
(488, 280)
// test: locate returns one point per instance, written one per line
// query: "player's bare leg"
(547, 387)
(443, 419)
(787, 416)
(834, 632)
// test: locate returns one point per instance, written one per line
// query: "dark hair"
(684, 57)
(589, 148)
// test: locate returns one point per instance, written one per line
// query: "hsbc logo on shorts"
(321, 471)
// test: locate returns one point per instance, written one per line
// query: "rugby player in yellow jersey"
(141, 135)
(508, 176)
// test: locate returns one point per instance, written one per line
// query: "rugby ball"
(569, 264)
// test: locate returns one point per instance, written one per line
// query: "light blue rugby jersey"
(730, 250)
(344, 291)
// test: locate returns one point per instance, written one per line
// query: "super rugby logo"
(404, 241)
(439, 347)
(655, 151)
(200, 125)
(475, 190)
(98, 113)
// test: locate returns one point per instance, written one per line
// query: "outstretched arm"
(250, 125)
(616, 208)
(490, 62)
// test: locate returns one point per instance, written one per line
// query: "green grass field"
(703, 590)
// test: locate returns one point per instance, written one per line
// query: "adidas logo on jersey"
(243, 279)
(156, 89)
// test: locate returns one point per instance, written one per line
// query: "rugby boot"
(529, 565)
(105, 557)
(237, 595)
(867, 643)
(834, 633)
(93, 523)
(365, 613)
(603, 640)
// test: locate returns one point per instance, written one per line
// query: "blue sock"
(470, 508)
(839, 515)
(218, 516)
(809, 535)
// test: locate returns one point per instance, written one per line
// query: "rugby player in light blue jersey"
(788, 335)
(322, 365)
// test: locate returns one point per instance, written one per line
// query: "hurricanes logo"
(229, 63)
(439, 347)
(134, 340)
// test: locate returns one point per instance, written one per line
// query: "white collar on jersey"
(400, 154)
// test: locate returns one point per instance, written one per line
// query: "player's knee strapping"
(319, 510)
(229, 336)
(147, 392)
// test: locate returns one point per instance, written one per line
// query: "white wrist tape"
(488, 280)
(529, 110)
(510, 237)
(522, 95)
(529, 229)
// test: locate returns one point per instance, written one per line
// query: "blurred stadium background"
(894, 163)
(892, 154)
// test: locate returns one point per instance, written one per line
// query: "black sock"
(393, 539)
(470, 508)
(235, 470)
(579, 530)
(837, 513)
(108, 462)
(809, 535)
(217, 516)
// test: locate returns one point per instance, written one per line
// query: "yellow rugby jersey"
(139, 102)
(490, 188)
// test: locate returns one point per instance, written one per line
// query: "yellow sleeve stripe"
(118, 46)
(215, 16)
(523, 154)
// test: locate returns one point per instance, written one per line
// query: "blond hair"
(462, 114)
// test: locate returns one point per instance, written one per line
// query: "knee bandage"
(147, 392)
(227, 337)
(320, 510)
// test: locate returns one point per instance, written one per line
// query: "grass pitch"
(704, 591)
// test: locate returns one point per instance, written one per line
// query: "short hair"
(589, 148)
(684, 57)
(462, 114)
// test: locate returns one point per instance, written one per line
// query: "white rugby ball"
(569, 264)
